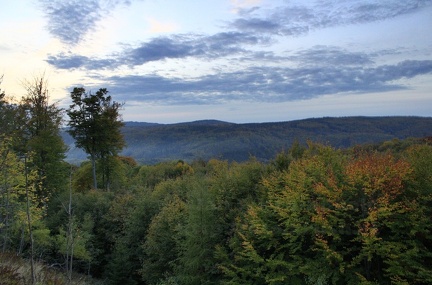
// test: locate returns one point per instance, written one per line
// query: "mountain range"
(150, 143)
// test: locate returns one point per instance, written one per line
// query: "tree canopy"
(96, 127)
(312, 215)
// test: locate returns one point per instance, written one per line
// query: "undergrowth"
(16, 271)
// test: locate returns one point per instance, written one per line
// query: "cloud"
(65, 61)
(181, 46)
(240, 6)
(71, 20)
(304, 74)
(161, 48)
(245, 32)
(313, 72)
(256, 24)
(325, 55)
(269, 84)
(294, 20)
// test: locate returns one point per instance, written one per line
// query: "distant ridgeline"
(149, 143)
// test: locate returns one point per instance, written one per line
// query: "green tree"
(42, 138)
(199, 237)
(11, 177)
(74, 242)
(26, 175)
(376, 184)
(336, 219)
(412, 264)
(120, 268)
(161, 245)
(10, 124)
(91, 210)
(96, 127)
(275, 237)
(129, 252)
(21, 226)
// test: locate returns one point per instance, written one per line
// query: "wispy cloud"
(304, 74)
(161, 48)
(270, 84)
(242, 5)
(300, 19)
(71, 61)
(325, 55)
(71, 20)
(181, 46)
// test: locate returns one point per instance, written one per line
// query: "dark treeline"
(311, 215)
(153, 143)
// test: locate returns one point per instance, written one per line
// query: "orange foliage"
(380, 176)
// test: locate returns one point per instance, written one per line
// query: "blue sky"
(233, 60)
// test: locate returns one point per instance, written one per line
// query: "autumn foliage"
(313, 215)
(336, 219)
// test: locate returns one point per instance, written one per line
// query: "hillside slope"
(152, 143)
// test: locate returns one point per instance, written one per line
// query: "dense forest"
(313, 214)
(150, 143)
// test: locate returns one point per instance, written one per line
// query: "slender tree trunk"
(21, 246)
(67, 253)
(6, 202)
(103, 172)
(93, 159)
(29, 223)
(6, 219)
(6, 223)
(107, 173)
(71, 262)
(69, 237)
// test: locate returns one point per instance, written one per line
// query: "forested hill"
(151, 143)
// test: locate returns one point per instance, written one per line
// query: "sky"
(240, 61)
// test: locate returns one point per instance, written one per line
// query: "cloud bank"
(300, 75)
(270, 84)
